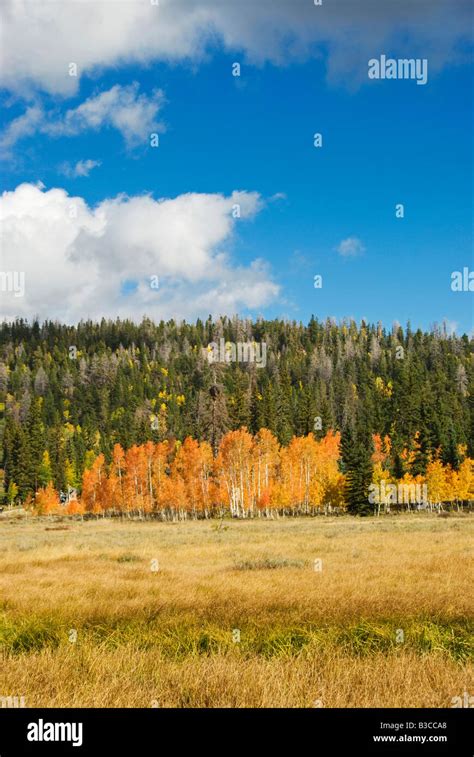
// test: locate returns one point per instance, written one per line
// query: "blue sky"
(384, 142)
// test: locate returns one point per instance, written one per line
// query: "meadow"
(291, 612)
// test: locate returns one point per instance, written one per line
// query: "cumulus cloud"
(123, 108)
(41, 39)
(81, 168)
(350, 247)
(78, 260)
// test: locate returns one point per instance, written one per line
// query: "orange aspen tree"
(382, 448)
(193, 465)
(381, 476)
(74, 507)
(148, 451)
(177, 494)
(135, 479)
(297, 486)
(329, 476)
(316, 463)
(233, 466)
(93, 487)
(116, 479)
(160, 479)
(185, 475)
(465, 484)
(46, 500)
(289, 487)
(206, 483)
(436, 482)
(266, 459)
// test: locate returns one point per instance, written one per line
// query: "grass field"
(140, 614)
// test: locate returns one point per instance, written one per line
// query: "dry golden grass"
(165, 636)
(128, 677)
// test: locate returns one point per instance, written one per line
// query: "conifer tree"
(356, 451)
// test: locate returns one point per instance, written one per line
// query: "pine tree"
(450, 454)
(284, 421)
(240, 399)
(35, 443)
(356, 452)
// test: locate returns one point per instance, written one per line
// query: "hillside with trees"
(335, 407)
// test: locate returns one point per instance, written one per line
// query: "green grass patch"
(128, 558)
(180, 640)
(269, 563)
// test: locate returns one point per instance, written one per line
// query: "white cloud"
(121, 107)
(41, 39)
(81, 168)
(76, 259)
(350, 247)
(24, 126)
(134, 115)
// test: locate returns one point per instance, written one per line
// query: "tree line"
(255, 475)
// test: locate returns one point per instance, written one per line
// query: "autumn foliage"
(249, 476)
